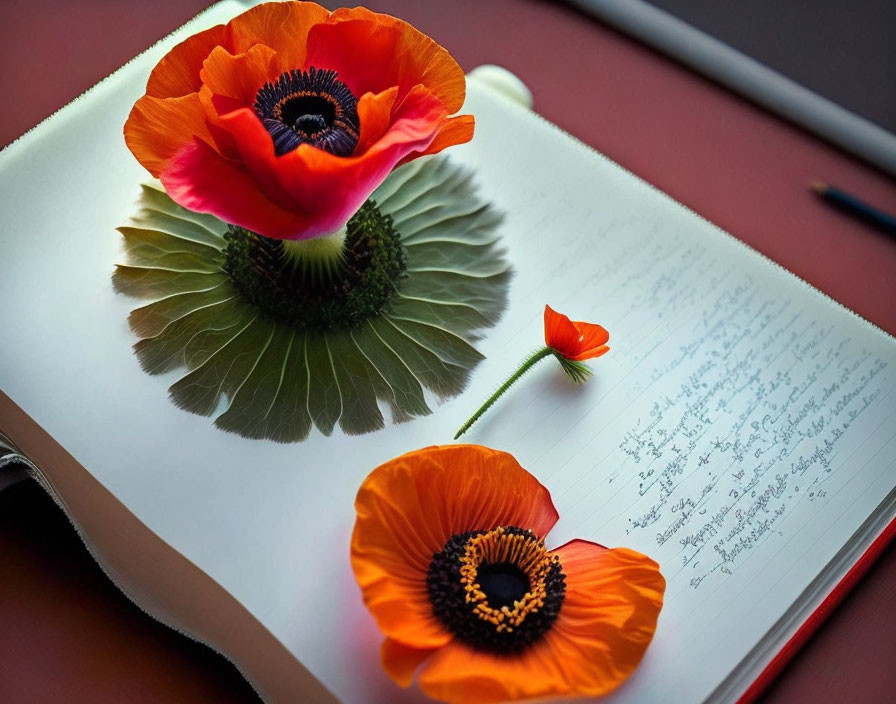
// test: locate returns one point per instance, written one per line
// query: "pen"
(742, 74)
(852, 205)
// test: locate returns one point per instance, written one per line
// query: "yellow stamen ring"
(497, 547)
(499, 589)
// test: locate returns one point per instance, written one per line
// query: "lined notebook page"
(739, 431)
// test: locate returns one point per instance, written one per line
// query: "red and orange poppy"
(448, 549)
(284, 120)
(575, 340)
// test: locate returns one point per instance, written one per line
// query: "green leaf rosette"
(392, 323)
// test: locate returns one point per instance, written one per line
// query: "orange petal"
(559, 332)
(461, 674)
(373, 52)
(256, 152)
(455, 130)
(326, 188)
(613, 598)
(394, 592)
(408, 508)
(375, 116)
(177, 73)
(283, 26)
(238, 77)
(223, 140)
(158, 128)
(400, 662)
(592, 341)
(200, 179)
(574, 340)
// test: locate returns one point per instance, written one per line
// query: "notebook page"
(742, 432)
(686, 307)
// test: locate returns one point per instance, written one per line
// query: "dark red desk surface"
(67, 635)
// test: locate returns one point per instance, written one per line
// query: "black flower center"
(503, 584)
(498, 590)
(309, 107)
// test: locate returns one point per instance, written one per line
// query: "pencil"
(852, 205)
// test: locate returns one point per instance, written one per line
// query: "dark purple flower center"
(309, 107)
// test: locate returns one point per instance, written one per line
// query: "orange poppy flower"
(569, 342)
(577, 341)
(284, 120)
(448, 549)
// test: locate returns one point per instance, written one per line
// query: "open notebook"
(742, 431)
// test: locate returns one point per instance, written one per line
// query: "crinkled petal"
(408, 86)
(238, 76)
(613, 599)
(400, 661)
(255, 151)
(408, 508)
(460, 674)
(158, 128)
(374, 116)
(373, 52)
(177, 73)
(200, 179)
(283, 26)
(454, 130)
(326, 188)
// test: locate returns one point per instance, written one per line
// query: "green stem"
(524, 367)
(318, 258)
